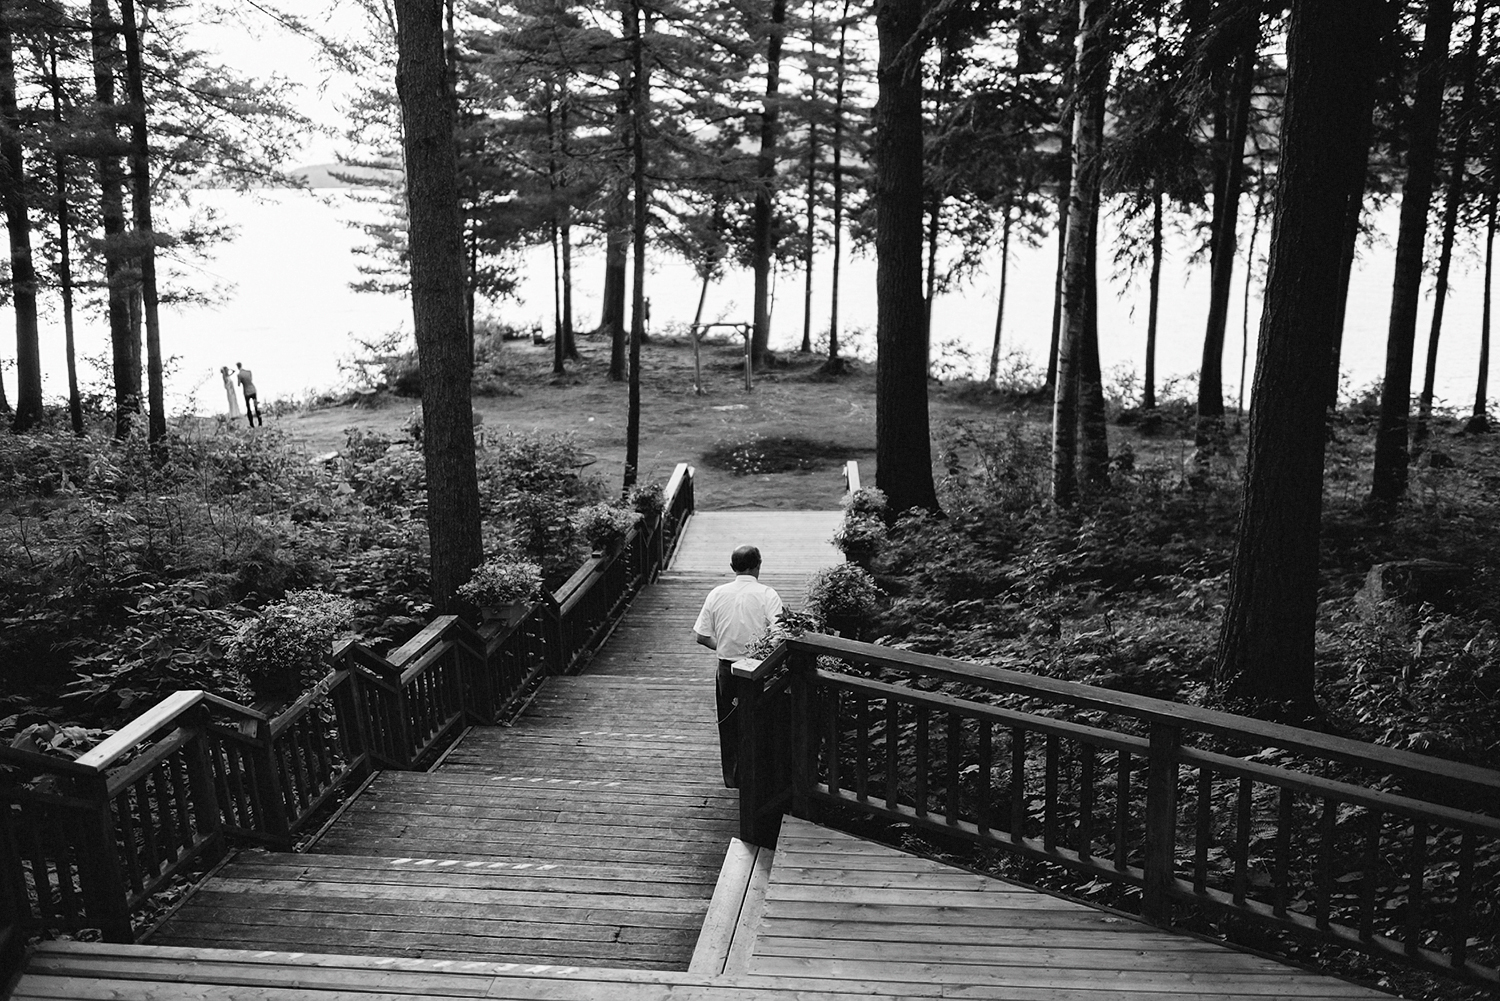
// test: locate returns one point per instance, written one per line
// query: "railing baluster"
(862, 748)
(41, 878)
(922, 761)
(1464, 907)
(150, 858)
(188, 824)
(892, 747)
(1327, 842)
(1017, 784)
(982, 783)
(1160, 858)
(1049, 794)
(1205, 829)
(953, 751)
(1122, 809)
(1085, 840)
(1284, 821)
(1367, 884)
(67, 850)
(1416, 863)
(125, 823)
(835, 725)
(1242, 839)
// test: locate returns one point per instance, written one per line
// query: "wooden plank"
(712, 948)
(742, 943)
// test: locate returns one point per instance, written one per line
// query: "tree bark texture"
(1006, 221)
(903, 447)
(1225, 241)
(125, 349)
(64, 246)
(1064, 203)
(616, 252)
(1093, 419)
(1265, 649)
(638, 117)
(1360, 167)
(1148, 389)
(838, 187)
(1392, 452)
(140, 188)
(437, 292)
(1451, 201)
(762, 214)
(1090, 73)
(18, 223)
(1479, 417)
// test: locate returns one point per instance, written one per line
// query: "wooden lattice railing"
(1399, 856)
(86, 843)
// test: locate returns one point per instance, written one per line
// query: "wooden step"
(734, 910)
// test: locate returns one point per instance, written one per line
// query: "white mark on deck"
(629, 736)
(571, 782)
(538, 866)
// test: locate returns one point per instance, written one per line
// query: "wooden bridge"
(585, 848)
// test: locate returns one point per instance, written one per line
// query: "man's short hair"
(744, 558)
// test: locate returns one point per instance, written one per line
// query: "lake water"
(291, 316)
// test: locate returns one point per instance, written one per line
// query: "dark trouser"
(253, 415)
(729, 724)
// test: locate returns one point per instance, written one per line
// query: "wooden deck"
(574, 855)
(590, 833)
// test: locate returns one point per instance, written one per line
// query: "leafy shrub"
(756, 454)
(604, 524)
(531, 486)
(647, 498)
(866, 501)
(286, 648)
(842, 592)
(502, 580)
(860, 537)
(790, 623)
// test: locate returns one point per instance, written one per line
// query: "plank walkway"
(590, 833)
(573, 856)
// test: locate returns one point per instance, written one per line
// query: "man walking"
(734, 616)
(252, 399)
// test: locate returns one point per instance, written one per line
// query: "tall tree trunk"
(765, 188)
(903, 447)
(18, 222)
(1093, 422)
(638, 118)
(437, 292)
(616, 254)
(838, 188)
(140, 186)
(1359, 166)
(64, 245)
(1226, 216)
(1392, 455)
(812, 180)
(1260, 210)
(1451, 201)
(1148, 390)
(1091, 71)
(565, 237)
(1479, 418)
(558, 368)
(124, 348)
(1265, 649)
(1005, 225)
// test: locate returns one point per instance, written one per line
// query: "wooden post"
(208, 806)
(748, 331)
(697, 361)
(804, 740)
(557, 656)
(756, 777)
(102, 878)
(1161, 823)
(267, 781)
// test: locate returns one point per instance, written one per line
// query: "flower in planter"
(502, 580)
(287, 647)
(647, 498)
(868, 501)
(860, 537)
(604, 525)
(844, 593)
(789, 624)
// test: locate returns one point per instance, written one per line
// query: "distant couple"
(247, 383)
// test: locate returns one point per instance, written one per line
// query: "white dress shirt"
(737, 614)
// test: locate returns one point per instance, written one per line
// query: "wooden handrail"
(1177, 714)
(851, 476)
(142, 728)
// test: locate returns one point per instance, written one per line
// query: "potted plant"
(648, 500)
(861, 535)
(605, 525)
(503, 587)
(844, 596)
(286, 649)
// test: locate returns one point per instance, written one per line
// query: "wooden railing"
(1399, 856)
(86, 843)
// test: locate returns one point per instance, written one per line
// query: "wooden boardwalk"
(573, 856)
(589, 833)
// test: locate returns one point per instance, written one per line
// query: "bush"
(604, 524)
(866, 501)
(287, 648)
(648, 499)
(789, 624)
(860, 537)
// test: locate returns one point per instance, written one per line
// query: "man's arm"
(707, 641)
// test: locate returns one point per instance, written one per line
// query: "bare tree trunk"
(565, 237)
(1005, 225)
(140, 183)
(765, 184)
(1148, 389)
(438, 286)
(838, 189)
(1451, 202)
(1265, 649)
(18, 222)
(64, 245)
(638, 118)
(1479, 418)
(1392, 453)
(812, 180)
(1360, 166)
(558, 368)
(1093, 423)
(903, 446)
(1260, 208)
(1091, 69)
(125, 350)
(1226, 217)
